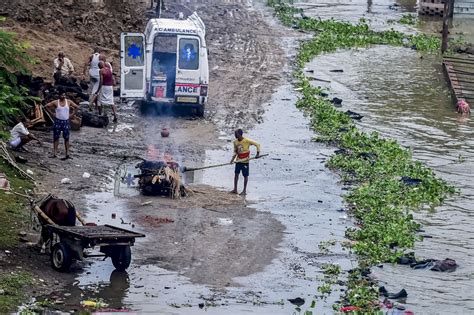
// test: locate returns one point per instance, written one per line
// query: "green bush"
(13, 98)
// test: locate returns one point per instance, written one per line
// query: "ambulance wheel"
(144, 108)
(200, 111)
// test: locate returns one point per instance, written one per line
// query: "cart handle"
(44, 216)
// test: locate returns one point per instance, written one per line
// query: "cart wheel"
(121, 257)
(61, 259)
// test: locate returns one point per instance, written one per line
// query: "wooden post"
(451, 8)
(444, 43)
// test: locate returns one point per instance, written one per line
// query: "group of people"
(101, 79)
(63, 109)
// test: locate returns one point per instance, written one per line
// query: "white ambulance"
(166, 66)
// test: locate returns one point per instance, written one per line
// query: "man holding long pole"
(241, 158)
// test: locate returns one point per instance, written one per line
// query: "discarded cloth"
(4, 183)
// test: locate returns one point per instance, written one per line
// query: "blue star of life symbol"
(134, 51)
(129, 180)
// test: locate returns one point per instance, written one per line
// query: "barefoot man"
(106, 88)
(93, 65)
(62, 110)
(241, 158)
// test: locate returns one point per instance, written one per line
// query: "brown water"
(403, 94)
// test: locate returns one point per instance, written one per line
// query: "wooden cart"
(112, 241)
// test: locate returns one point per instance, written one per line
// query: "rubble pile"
(96, 22)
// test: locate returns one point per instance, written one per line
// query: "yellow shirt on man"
(242, 149)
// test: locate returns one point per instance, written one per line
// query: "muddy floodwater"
(406, 97)
(403, 94)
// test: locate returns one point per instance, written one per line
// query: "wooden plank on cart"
(102, 232)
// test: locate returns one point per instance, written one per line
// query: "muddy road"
(218, 251)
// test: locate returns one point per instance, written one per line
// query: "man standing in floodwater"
(241, 158)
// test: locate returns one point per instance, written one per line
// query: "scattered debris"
(94, 304)
(66, 181)
(446, 265)
(93, 120)
(297, 301)
(336, 101)
(4, 183)
(225, 221)
(146, 203)
(410, 181)
(165, 132)
(6, 156)
(354, 115)
(152, 221)
(349, 309)
(86, 175)
(317, 79)
(20, 159)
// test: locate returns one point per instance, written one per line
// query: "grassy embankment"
(380, 202)
(13, 216)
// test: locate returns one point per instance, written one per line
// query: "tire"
(144, 107)
(61, 258)
(200, 110)
(121, 257)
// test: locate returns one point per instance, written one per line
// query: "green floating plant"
(387, 184)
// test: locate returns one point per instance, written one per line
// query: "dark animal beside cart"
(60, 211)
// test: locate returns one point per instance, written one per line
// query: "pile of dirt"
(96, 22)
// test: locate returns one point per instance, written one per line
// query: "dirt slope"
(95, 22)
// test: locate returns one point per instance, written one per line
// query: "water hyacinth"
(387, 184)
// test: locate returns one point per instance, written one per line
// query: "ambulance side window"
(134, 51)
(188, 54)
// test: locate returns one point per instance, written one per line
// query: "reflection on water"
(405, 96)
(113, 290)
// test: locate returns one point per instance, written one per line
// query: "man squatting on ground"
(62, 110)
(241, 157)
(19, 135)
